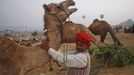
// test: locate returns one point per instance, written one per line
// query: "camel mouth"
(66, 4)
(73, 9)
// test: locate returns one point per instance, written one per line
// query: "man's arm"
(73, 60)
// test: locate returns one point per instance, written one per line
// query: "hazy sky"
(28, 14)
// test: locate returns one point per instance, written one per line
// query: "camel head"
(61, 11)
(54, 17)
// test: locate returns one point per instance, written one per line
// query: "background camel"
(102, 28)
(17, 60)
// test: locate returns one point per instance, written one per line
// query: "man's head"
(83, 41)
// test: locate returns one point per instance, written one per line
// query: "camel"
(18, 60)
(57, 29)
(102, 28)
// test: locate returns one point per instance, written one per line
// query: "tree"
(7, 35)
(101, 16)
(34, 33)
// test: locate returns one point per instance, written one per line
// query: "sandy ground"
(127, 70)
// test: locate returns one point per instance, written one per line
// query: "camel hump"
(104, 21)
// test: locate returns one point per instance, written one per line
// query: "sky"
(27, 15)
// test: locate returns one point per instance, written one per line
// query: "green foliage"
(91, 50)
(121, 56)
(131, 60)
(117, 55)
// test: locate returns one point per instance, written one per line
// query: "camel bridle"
(61, 31)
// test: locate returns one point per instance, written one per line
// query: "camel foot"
(50, 69)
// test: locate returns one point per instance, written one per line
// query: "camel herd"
(17, 60)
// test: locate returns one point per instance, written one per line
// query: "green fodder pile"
(115, 55)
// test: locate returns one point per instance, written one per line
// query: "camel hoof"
(59, 65)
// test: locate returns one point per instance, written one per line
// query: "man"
(78, 62)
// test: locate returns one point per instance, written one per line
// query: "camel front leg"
(103, 37)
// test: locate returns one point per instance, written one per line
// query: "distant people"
(125, 29)
(133, 28)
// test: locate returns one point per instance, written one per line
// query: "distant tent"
(101, 16)
(83, 17)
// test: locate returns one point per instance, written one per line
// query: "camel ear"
(46, 7)
(60, 6)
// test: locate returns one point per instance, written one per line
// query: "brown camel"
(102, 28)
(58, 30)
(18, 60)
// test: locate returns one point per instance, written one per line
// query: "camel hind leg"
(115, 39)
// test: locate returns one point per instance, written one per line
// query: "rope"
(62, 33)
(66, 46)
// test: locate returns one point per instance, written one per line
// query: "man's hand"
(45, 44)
